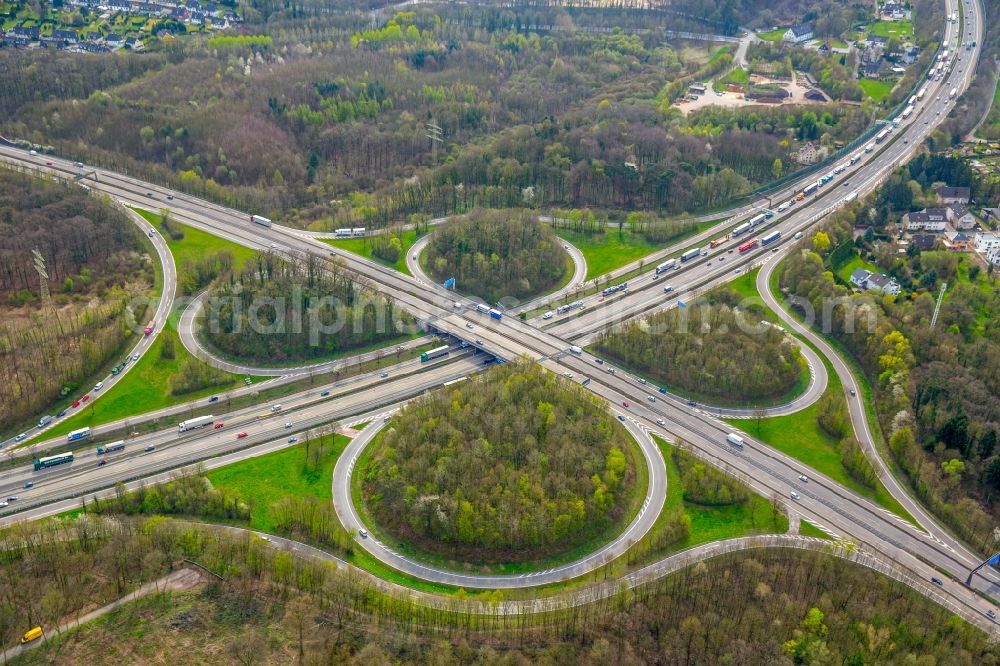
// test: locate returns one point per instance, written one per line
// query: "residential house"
(924, 241)
(877, 41)
(987, 241)
(810, 153)
(31, 34)
(961, 217)
(958, 241)
(865, 279)
(134, 44)
(115, 41)
(119, 5)
(993, 256)
(179, 13)
(94, 37)
(931, 219)
(910, 55)
(65, 36)
(824, 49)
(799, 34)
(949, 195)
(91, 47)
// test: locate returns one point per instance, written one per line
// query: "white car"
(803, 478)
(650, 398)
(288, 424)
(135, 357)
(98, 386)
(548, 315)
(21, 437)
(794, 495)
(363, 533)
(661, 422)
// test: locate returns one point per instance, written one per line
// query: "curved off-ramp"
(576, 282)
(652, 505)
(187, 330)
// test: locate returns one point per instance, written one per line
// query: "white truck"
(735, 440)
(194, 424)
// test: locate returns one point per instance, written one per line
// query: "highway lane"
(637, 528)
(435, 310)
(171, 449)
(159, 315)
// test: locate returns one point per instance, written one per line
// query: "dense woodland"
(495, 255)
(936, 390)
(712, 351)
(278, 309)
(97, 264)
(765, 609)
(513, 465)
(327, 123)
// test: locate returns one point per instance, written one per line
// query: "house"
(179, 14)
(825, 49)
(993, 256)
(134, 44)
(948, 195)
(90, 47)
(958, 241)
(31, 34)
(65, 36)
(910, 55)
(119, 5)
(961, 217)
(865, 279)
(986, 241)
(697, 88)
(115, 41)
(878, 41)
(94, 37)
(799, 34)
(931, 219)
(810, 153)
(924, 241)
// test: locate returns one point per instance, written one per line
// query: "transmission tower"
(937, 306)
(43, 276)
(436, 135)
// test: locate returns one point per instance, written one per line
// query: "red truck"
(749, 245)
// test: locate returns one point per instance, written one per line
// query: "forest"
(936, 390)
(336, 123)
(712, 351)
(497, 254)
(278, 309)
(771, 607)
(97, 264)
(516, 464)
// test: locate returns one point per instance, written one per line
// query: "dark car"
(691, 403)
(61, 414)
(324, 394)
(149, 448)
(214, 398)
(936, 580)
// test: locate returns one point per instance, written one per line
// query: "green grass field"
(268, 479)
(361, 247)
(196, 244)
(773, 35)
(739, 76)
(877, 90)
(899, 29)
(610, 250)
(844, 270)
(807, 529)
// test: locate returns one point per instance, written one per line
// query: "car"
(61, 414)
(937, 581)
(478, 341)
(149, 194)
(853, 392)
(385, 419)
(641, 380)
(568, 375)
(548, 315)
(292, 440)
(48, 163)
(803, 478)
(28, 484)
(661, 422)
(149, 448)
(274, 245)
(775, 249)
(624, 403)
(288, 424)
(3, 504)
(214, 398)
(363, 533)
(611, 371)
(600, 299)
(383, 375)
(78, 165)
(565, 246)
(692, 403)
(324, 394)
(730, 252)
(12, 498)
(794, 495)
(32, 152)
(170, 197)
(219, 425)
(98, 386)
(240, 435)
(135, 357)
(906, 140)
(102, 462)
(76, 403)
(599, 361)
(20, 438)
(710, 263)
(621, 418)
(704, 253)
(722, 258)
(85, 398)
(992, 614)
(650, 398)
(469, 325)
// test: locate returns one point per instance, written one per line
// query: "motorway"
(769, 472)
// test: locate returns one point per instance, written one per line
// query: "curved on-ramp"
(656, 494)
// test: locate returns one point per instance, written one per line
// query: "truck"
(610, 291)
(691, 254)
(735, 440)
(563, 309)
(907, 112)
(785, 206)
(150, 327)
(810, 188)
(757, 219)
(31, 635)
(52, 461)
(430, 354)
(44, 421)
(78, 435)
(195, 423)
(870, 147)
(742, 229)
(111, 448)
(749, 245)
(881, 136)
(666, 266)
(482, 308)
(261, 220)
(357, 231)
(575, 349)
(922, 91)
(496, 314)
(718, 241)
(951, 95)
(342, 232)
(855, 158)
(770, 238)
(850, 197)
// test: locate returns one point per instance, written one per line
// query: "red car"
(48, 163)
(218, 425)
(624, 403)
(85, 398)
(76, 403)
(103, 462)
(241, 435)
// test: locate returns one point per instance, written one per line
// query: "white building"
(798, 34)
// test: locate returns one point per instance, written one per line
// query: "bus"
(52, 461)
(437, 352)
(111, 448)
(749, 245)
(770, 238)
(77, 435)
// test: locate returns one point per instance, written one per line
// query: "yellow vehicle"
(31, 635)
